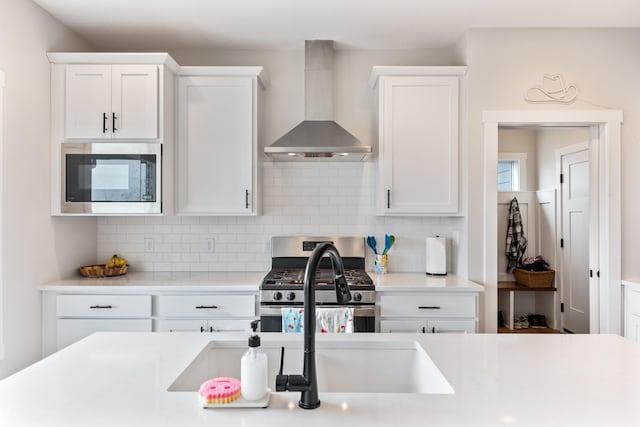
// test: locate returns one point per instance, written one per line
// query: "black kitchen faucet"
(307, 383)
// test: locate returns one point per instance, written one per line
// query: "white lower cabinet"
(80, 315)
(71, 316)
(204, 312)
(202, 325)
(410, 312)
(72, 330)
(632, 311)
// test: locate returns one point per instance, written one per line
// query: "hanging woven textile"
(516, 243)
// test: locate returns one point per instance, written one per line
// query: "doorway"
(604, 219)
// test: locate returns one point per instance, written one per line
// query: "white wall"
(36, 246)
(548, 141)
(503, 63)
(308, 198)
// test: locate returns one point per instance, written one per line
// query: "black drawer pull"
(101, 306)
(422, 307)
(104, 122)
(206, 306)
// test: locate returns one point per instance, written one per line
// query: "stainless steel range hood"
(318, 137)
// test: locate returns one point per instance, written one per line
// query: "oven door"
(111, 178)
(364, 317)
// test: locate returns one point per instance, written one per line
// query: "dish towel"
(338, 320)
(516, 243)
(292, 319)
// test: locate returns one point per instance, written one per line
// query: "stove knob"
(277, 296)
(291, 296)
(357, 296)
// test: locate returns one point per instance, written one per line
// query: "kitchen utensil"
(371, 242)
(389, 240)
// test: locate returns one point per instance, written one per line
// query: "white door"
(215, 145)
(419, 145)
(87, 101)
(575, 235)
(134, 112)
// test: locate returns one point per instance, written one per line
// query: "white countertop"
(162, 281)
(120, 379)
(633, 283)
(423, 282)
(242, 281)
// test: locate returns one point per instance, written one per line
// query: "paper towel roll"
(436, 256)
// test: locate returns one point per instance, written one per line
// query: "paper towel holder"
(436, 256)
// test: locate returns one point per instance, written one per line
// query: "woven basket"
(534, 279)
(94, 271)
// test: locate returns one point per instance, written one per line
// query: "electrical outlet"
(211, 245)
(148, 244)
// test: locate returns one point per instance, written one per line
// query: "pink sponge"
(219, 390)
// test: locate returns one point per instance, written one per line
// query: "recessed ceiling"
(353, 24)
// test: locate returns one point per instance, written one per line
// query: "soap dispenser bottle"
(253, 369)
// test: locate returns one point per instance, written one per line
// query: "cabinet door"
(419, 145)
(404, 326)
(216, 137)
(632, 328)
(72, 330)
(134, 103)
(452, 326)
(87, 101)
(201, 325)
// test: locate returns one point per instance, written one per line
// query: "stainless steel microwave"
(111, 178)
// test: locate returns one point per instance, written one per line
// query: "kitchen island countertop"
(121, 379)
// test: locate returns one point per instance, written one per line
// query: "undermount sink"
(343, 367)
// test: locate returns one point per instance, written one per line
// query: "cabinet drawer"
(427, 305)
(72, 330)
(209, 306)
(633, 303)
(101, 306)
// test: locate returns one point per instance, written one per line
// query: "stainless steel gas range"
(283, 286)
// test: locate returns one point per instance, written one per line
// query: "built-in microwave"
(111, 178)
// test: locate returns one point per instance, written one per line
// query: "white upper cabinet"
(111, 101)
(217, 145)
(418, 139)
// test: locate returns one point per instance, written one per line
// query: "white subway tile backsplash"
(298, 199)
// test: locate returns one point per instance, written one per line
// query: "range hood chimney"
(318, 137)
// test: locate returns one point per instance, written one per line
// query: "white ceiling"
(353, 24)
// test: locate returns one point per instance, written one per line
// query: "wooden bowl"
(100, 270)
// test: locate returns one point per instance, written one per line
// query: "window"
(512, 173)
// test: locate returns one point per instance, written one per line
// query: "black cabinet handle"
(104, 122)
(101, 306)
(388, 199)
(246, 199)
(424, 330)
(206, 306)
(201, 328)
(422, 307)
(210, 328)
(433, 330)
(113, 123)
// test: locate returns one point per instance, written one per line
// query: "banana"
(116, 262)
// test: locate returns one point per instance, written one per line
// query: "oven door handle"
(358, 310)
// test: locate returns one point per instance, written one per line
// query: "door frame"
(604, 156)
(593, 229)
